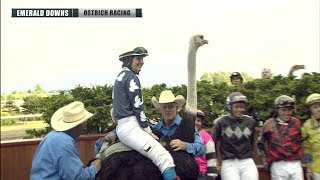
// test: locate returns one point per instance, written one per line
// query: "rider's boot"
(170, 174)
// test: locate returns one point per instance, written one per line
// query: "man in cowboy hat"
(57, 155)
(169, 105)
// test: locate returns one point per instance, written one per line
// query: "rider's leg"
(130, 133)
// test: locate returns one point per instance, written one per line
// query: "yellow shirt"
(311, 135)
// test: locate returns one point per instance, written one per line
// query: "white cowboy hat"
(70, 116)
(167, 96)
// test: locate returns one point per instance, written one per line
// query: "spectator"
(57, 155)
(295, 68)
(311, 137)
(236, 79)
(208, 162)
(280, 142)
(266, 73)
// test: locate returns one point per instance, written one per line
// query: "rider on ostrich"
(127, 163)
(132, 125)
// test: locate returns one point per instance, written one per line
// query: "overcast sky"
(244, 36)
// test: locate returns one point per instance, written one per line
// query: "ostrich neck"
(192, 83)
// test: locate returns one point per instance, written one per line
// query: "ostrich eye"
(201, 37)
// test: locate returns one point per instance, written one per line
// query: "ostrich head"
(197, 40)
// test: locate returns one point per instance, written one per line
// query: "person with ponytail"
(132, 125)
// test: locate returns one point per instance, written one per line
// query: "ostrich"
(129, 164)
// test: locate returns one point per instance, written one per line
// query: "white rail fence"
(21, 116)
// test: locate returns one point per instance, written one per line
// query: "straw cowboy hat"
(167, 96)
(70, 116)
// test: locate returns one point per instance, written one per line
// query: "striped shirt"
(208, 162)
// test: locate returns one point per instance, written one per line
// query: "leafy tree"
(52, 104)
(220, 77)
(10, 97)
(211, 99)
(38, 89)
(33, 104)
(97, 100)
(11, 108)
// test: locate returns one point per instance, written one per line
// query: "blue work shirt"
(57, 157)
(197, 148)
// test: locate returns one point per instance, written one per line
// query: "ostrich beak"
(206, 41)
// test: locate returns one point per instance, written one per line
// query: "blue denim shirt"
(197, 148)
(57, 157)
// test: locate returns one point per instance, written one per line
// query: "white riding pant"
(239, 169)
(130, 133)
(286, 170)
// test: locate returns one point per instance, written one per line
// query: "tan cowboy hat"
(167, 96)
(70, 116)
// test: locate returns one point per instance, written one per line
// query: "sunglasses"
(140, 50)
(201, 114)
(285, 104)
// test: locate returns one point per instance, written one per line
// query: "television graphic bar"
(79, 13)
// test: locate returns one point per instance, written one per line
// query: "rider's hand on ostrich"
(178, 145)
(111, 137)
(154, 136)
(97, 163)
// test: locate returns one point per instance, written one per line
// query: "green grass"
(23, 95)
(24, 125)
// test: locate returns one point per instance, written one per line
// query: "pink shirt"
(201, 160)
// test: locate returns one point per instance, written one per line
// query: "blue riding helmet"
(234, 98)
(138, 51)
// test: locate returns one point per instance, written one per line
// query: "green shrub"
(8, 121)
(261, 94)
